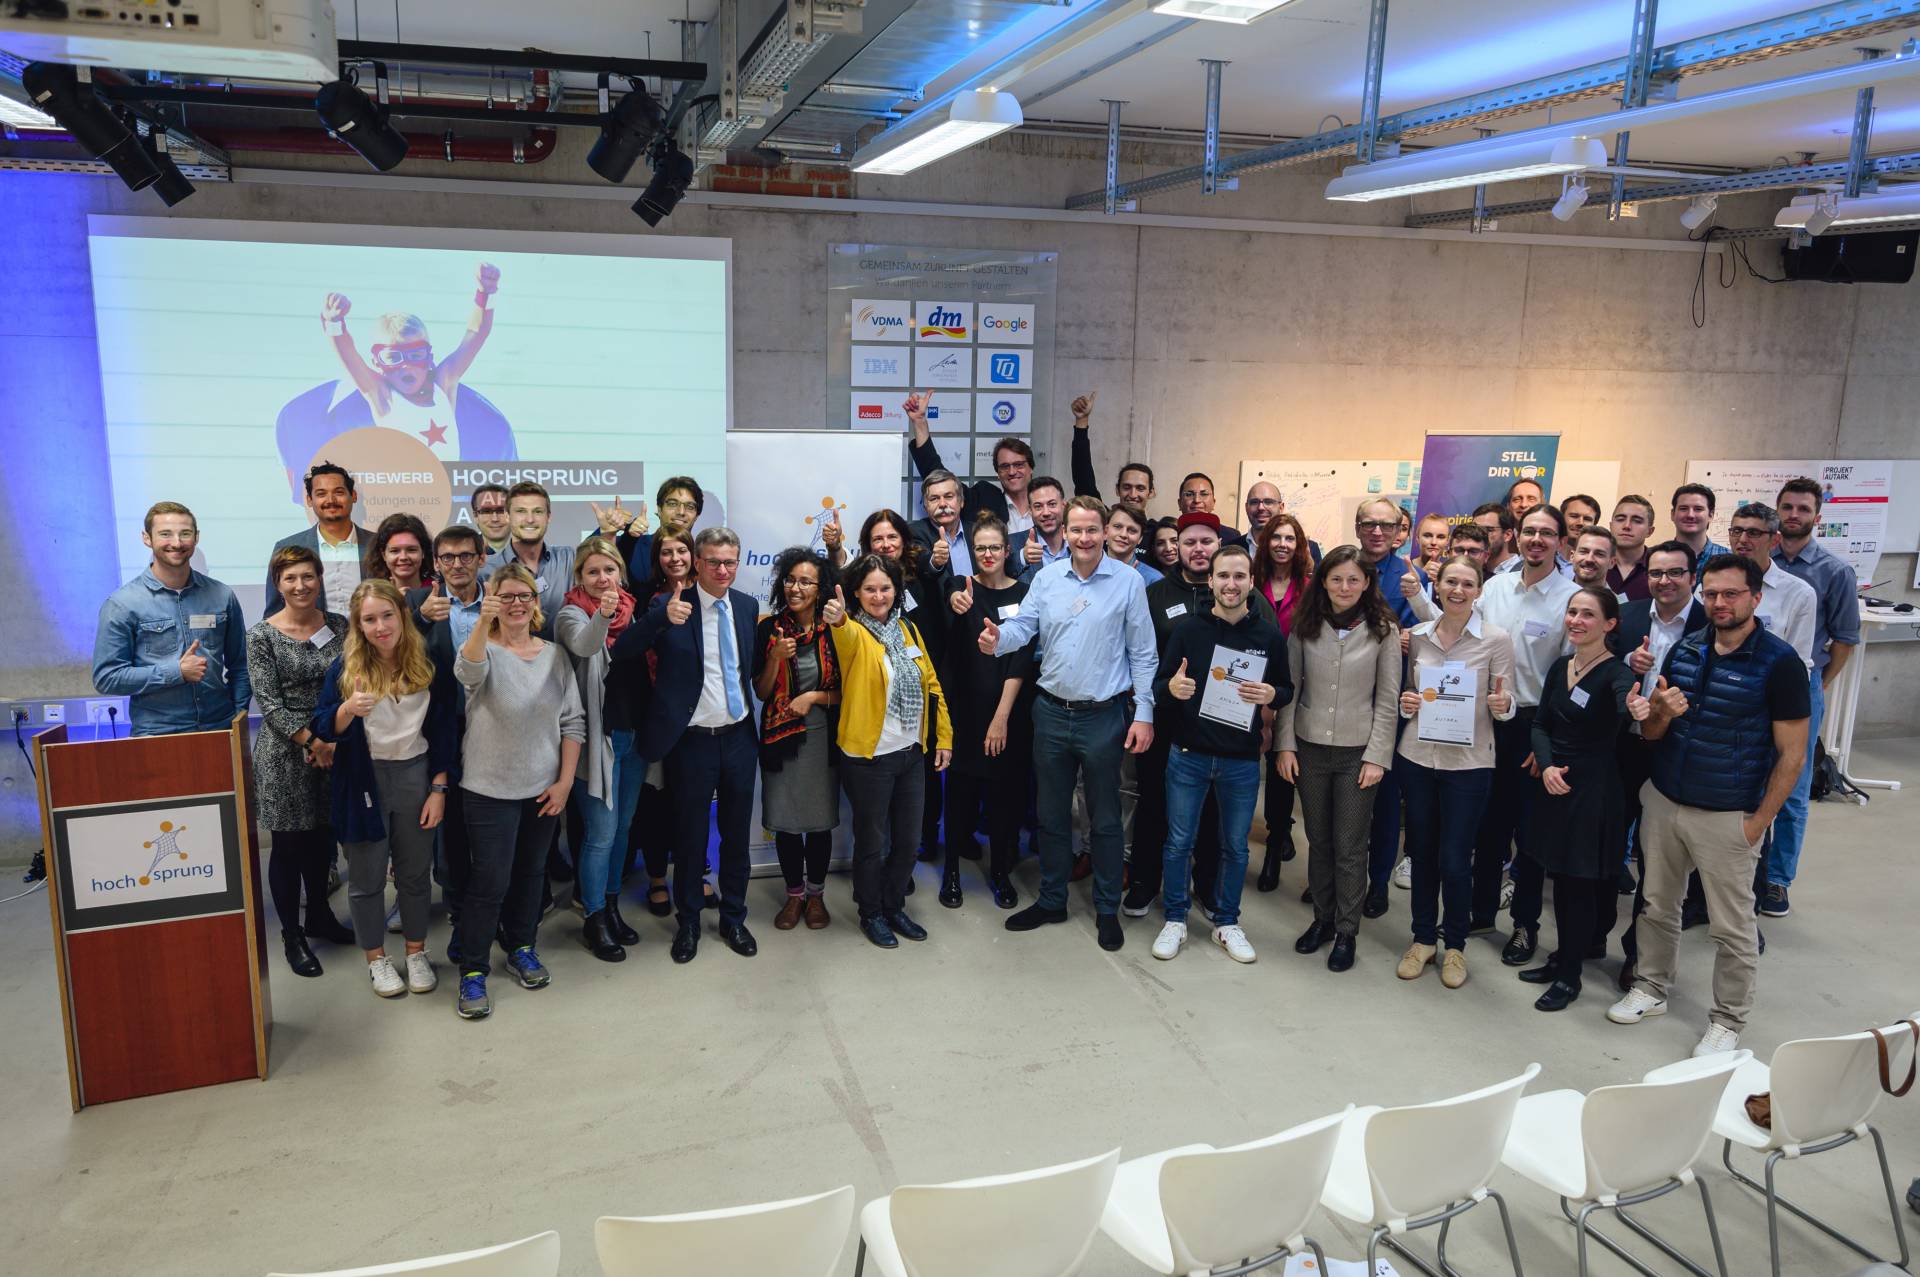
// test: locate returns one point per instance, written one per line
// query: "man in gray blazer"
(334, 536)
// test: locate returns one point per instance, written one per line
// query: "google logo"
(997, 324)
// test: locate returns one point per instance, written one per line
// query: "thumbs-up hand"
(1555, 779)
(678, 610)
(1499, 699)
(1031, 551)
(193, 666)
(961, 600)
(436, 606)
(782, 649)
(942, 553)
(1639, 708)
(609, 600)
(1180, 686)
(835, 612)
(1083, 409)
(489, 610)
(638, 525)
(830, 532)
(361, 703)
(612, 520)
(916, 407)
(1640, 659)
(1670, 701)
(1409, 583)
(989, 638)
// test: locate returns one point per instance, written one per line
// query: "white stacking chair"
(536, 1256)
(1624, 1145)
(800, 1237)
(1030, 1224)
(1822, 1090)
(1226, 1211)
(1398, 1169)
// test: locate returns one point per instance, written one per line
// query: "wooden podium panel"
(154, 889)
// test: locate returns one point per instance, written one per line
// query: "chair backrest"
(1647, 1132)
(1031, 1224)
(800, 1237)
(1823, 1086)
(1229, 1203)
(1424, 1156)
(537, 1256)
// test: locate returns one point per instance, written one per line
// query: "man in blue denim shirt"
(172, 641)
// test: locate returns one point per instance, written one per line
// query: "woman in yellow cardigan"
(891, 710)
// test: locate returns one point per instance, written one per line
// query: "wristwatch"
(438, 789)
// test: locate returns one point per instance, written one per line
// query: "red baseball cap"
(1198, 519)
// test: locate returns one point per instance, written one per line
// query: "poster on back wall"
(1853, 506)
(1461, 471)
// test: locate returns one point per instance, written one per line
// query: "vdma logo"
(1004, 370)
(877, 321)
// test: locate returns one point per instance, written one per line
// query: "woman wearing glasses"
(525, 727)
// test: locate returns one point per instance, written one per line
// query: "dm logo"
(163, 845)
(1004, 370)
(941, 322)
(1003, 413)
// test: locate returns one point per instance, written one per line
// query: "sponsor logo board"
(878, 320)
(943, 322)
(934, 367)
(1006, 325)
(878, 366)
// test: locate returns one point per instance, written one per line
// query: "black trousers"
(300, 858)
(1276, 808)
(509, 842)
(1146, 855)
(701, 768)
(803, 858)
(1636, 765)
(933, 805)
(1584, 911)
(650, 835)
(976, 801)
(1501, 826)
(886, 794)
(453, 854)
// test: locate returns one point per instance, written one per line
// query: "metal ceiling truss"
(1719, 184)
(752, 88)
(1820, 27)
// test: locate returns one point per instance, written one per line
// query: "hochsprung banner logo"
(134, 856)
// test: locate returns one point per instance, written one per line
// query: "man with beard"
(334, 536)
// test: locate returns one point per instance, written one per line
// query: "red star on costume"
(434, 433)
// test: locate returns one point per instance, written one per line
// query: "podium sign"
(154, 890)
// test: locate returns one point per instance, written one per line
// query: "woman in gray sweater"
(525, 726)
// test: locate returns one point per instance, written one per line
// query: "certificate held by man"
(1447, 696)
(1220, 697)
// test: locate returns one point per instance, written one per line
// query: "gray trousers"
(1338, 814)
(402, 789)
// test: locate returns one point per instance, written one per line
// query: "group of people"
(1526, 694)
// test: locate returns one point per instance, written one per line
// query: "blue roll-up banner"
(1459, 472)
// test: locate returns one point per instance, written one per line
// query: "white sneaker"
(1403, 874)
(420, 976)
(1168, 943)
(1234, 941)
(1635, 1007)
(386, 981)
(1717, 1040)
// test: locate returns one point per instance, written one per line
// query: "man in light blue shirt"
(172, 641)
(1089, 613)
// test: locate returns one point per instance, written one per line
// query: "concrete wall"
(1206, 345)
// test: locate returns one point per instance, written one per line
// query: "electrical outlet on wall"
(97, 711)
(53, 712)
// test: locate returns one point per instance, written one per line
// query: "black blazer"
(1636, 623)
(680, 655)
(982, 494)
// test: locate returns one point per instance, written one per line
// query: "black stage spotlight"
(672, 174)
(75, 107)
(173, 185)
(361, 123)
(626, 131)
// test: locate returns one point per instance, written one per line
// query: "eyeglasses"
(490, 509)
(1722, 596)
(1002, 467)
(1667, 574)
(516, 599)
(1747, 534)
(1379, 525)
(461, 559)
(721, 565)
(675, 503)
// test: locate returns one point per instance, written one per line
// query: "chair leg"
(860, 1258)
(1893, 1198)
(1775, 1200)
(1506, 1226)
(1580, 1231)
(1713, 1228)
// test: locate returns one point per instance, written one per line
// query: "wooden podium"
(157, 923)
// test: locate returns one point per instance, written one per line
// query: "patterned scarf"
(906, 699)
(781, 730)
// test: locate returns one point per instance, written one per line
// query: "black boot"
(299, 956)
(617, 926)
(322, 925)
(599, 939)
(949, 888)
(1270, 870)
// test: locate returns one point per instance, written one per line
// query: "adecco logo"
(163, 848)
(870, 411)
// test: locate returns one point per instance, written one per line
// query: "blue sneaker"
(474, 1003)
(1774, 904)
(526, 968)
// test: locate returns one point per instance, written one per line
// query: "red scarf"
(590, 604)
(780, 728)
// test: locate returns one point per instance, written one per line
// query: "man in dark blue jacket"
(701, 722)
(1729, 714)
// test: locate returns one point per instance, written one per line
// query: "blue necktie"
(729, 662)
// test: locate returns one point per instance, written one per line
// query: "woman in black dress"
(991, 701)
(1576, 828)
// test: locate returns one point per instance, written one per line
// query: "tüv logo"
(1004, 370)
(1003, 413)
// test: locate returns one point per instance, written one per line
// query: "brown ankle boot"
(789, 916)
(817, 913)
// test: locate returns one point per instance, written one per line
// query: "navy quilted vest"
(1717, 755)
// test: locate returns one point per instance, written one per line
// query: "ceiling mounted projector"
(239, 39)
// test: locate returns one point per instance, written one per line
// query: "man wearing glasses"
(1788, 605)
(1012, 463)
(489, 505)
(1729, 717)
(681, 503)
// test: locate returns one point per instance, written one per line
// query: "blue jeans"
(1790, 826)
(1067, 744)
(1236, 786)
(1443, 816)
(599, 869)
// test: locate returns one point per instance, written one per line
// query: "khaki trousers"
(1674, 840)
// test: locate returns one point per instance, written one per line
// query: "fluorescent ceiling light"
(1815, 214)
(21, 116)
(973, 118)
(1449, 168)
(1237, 11)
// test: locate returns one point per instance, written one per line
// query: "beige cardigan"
(1346, 692)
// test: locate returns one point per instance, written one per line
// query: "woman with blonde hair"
(391, 718)
(597, 611)
(522, 745)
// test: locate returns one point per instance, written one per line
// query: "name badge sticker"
(1536, 629)
(1178, 609)
(1009, 609)
(912, 604)
(202, 621)
(1079, 605)
(1579, 697)
(324, 637)
(913, 651)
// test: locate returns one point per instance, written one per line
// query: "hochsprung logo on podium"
(158, 853)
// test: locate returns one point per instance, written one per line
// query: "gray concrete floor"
(390, 1130)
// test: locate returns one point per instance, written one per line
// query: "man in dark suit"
(941, 536)
(701, 722)
(334, 536)
(1648, 628)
